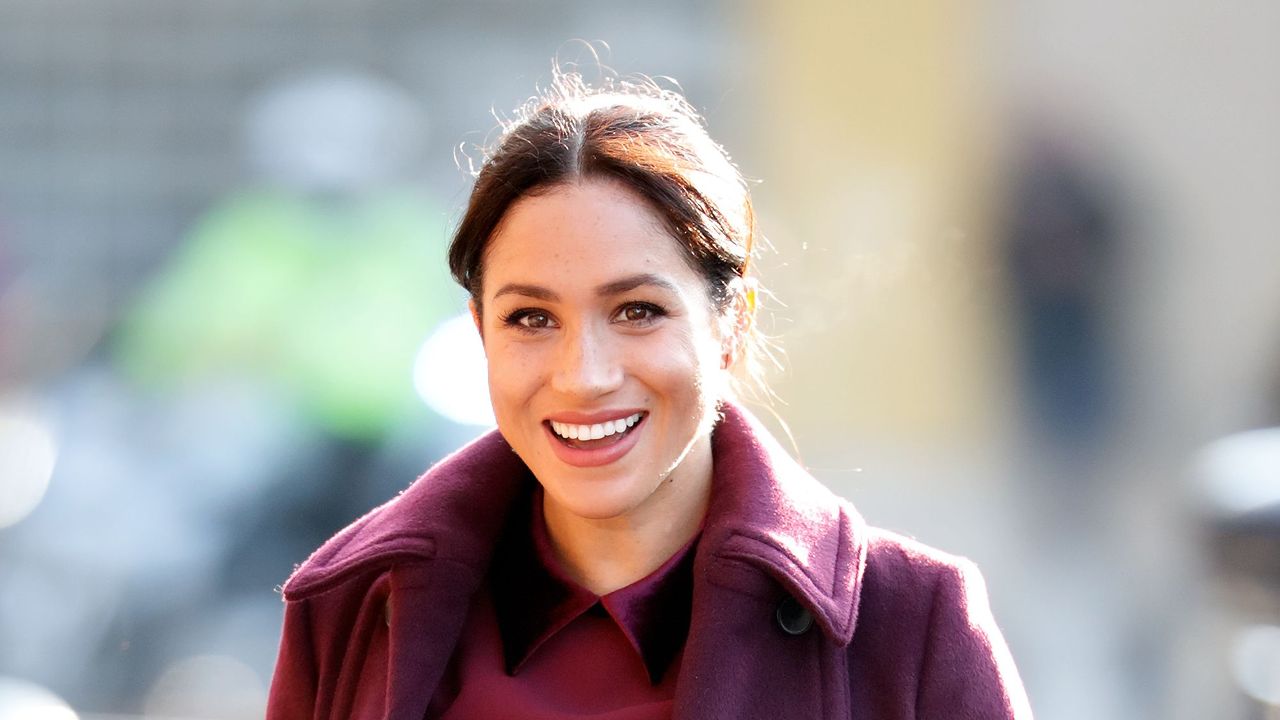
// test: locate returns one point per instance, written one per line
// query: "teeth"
(597, 431)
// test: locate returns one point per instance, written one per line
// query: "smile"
(595, 444)
(596, 431)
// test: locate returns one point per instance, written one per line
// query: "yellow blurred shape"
(878, 163)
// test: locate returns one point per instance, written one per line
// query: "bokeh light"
(208, 686)
(1241, 472)
(334, 130)
(27, 456)
(22, 700)
(1255, 662)
(450, 373)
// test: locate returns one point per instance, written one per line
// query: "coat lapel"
(427, 610)
(774, 538)
(465, 501)
(740, 664)
(435, 540)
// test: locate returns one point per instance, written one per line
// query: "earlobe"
(732, 347)
(738, 329)
(475, 316)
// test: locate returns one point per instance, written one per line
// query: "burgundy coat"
(800, 610)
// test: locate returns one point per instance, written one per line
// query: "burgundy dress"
(539, 646)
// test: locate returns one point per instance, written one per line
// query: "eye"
(528, 320)
(535, 320)
(639, 314)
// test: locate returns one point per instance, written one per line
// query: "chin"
(597, 502)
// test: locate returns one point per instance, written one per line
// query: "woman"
(629, 543)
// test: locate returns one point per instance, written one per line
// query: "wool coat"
(800, 609)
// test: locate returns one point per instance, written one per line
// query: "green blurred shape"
(328, 299)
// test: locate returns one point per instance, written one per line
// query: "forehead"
(585, 232)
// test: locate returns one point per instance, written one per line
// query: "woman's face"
(605, 356)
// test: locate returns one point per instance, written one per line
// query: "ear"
(475, 317)
(738, 322)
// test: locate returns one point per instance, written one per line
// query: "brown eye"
(529, 320)
(639, 314)
(535, 320)
(636, 313)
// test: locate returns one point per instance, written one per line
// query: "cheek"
(689, 368)
(513, 373)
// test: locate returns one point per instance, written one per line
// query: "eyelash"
(516, 318)
(656, 312)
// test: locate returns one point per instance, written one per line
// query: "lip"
(594, 457)
(591, 418)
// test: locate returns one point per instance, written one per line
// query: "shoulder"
(902, 580)
(900, 564)
(926, 636)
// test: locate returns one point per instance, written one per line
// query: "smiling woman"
(595, 319)
(629, 543)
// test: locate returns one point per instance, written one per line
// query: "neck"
(605, 554)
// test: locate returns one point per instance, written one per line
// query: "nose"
(588, 363)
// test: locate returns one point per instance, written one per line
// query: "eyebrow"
(615, 287)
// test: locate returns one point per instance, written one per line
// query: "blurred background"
(1026, 259)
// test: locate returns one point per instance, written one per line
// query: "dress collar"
(534, 598)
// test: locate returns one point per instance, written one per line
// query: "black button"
(793, 618)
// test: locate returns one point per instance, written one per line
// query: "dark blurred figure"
(1063, 233)
(1062, 237)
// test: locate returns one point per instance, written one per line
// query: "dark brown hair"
(634, 132)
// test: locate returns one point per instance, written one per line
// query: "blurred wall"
(877, 168)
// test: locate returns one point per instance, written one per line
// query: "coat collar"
(765, 510)
(768, 511)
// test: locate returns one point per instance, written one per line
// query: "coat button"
(793, 618)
